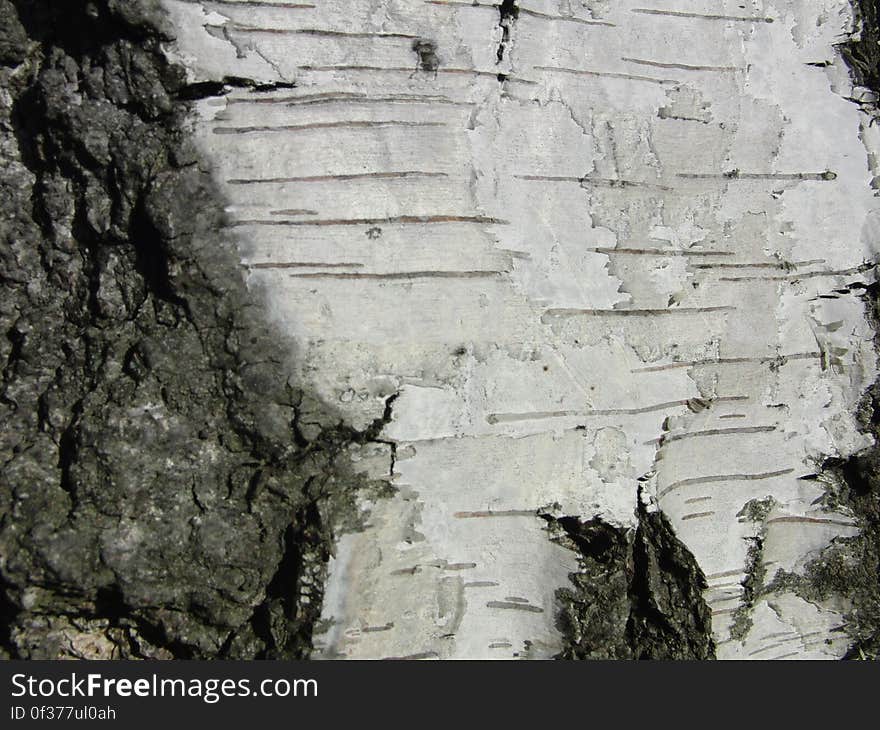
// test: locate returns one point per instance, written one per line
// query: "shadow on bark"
(167, 491)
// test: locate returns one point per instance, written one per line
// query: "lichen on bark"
(847, 572)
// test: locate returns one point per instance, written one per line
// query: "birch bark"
(576, 247)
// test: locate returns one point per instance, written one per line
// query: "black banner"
(585, 694)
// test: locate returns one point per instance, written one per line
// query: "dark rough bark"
(848, 570)
(638, 594)
(862, 51)
(166, 492)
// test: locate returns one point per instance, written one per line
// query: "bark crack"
(638, 593)
(508, 13)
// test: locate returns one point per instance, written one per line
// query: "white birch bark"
(636, 254)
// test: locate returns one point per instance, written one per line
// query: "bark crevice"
(508, 13)
(638, 593)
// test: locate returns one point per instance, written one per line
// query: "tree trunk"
(439, 329)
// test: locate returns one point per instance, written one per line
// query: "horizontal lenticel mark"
(401, 275)
(668, 438)
(605, 74)
(336, 178)
(496, 513)
(697, 515)
(729, 361)
(702, 16)
(635, 312)
(680, 66)
(353, 124)
(515, 606)
(722, 478)
(402, 219)
(494, 418)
